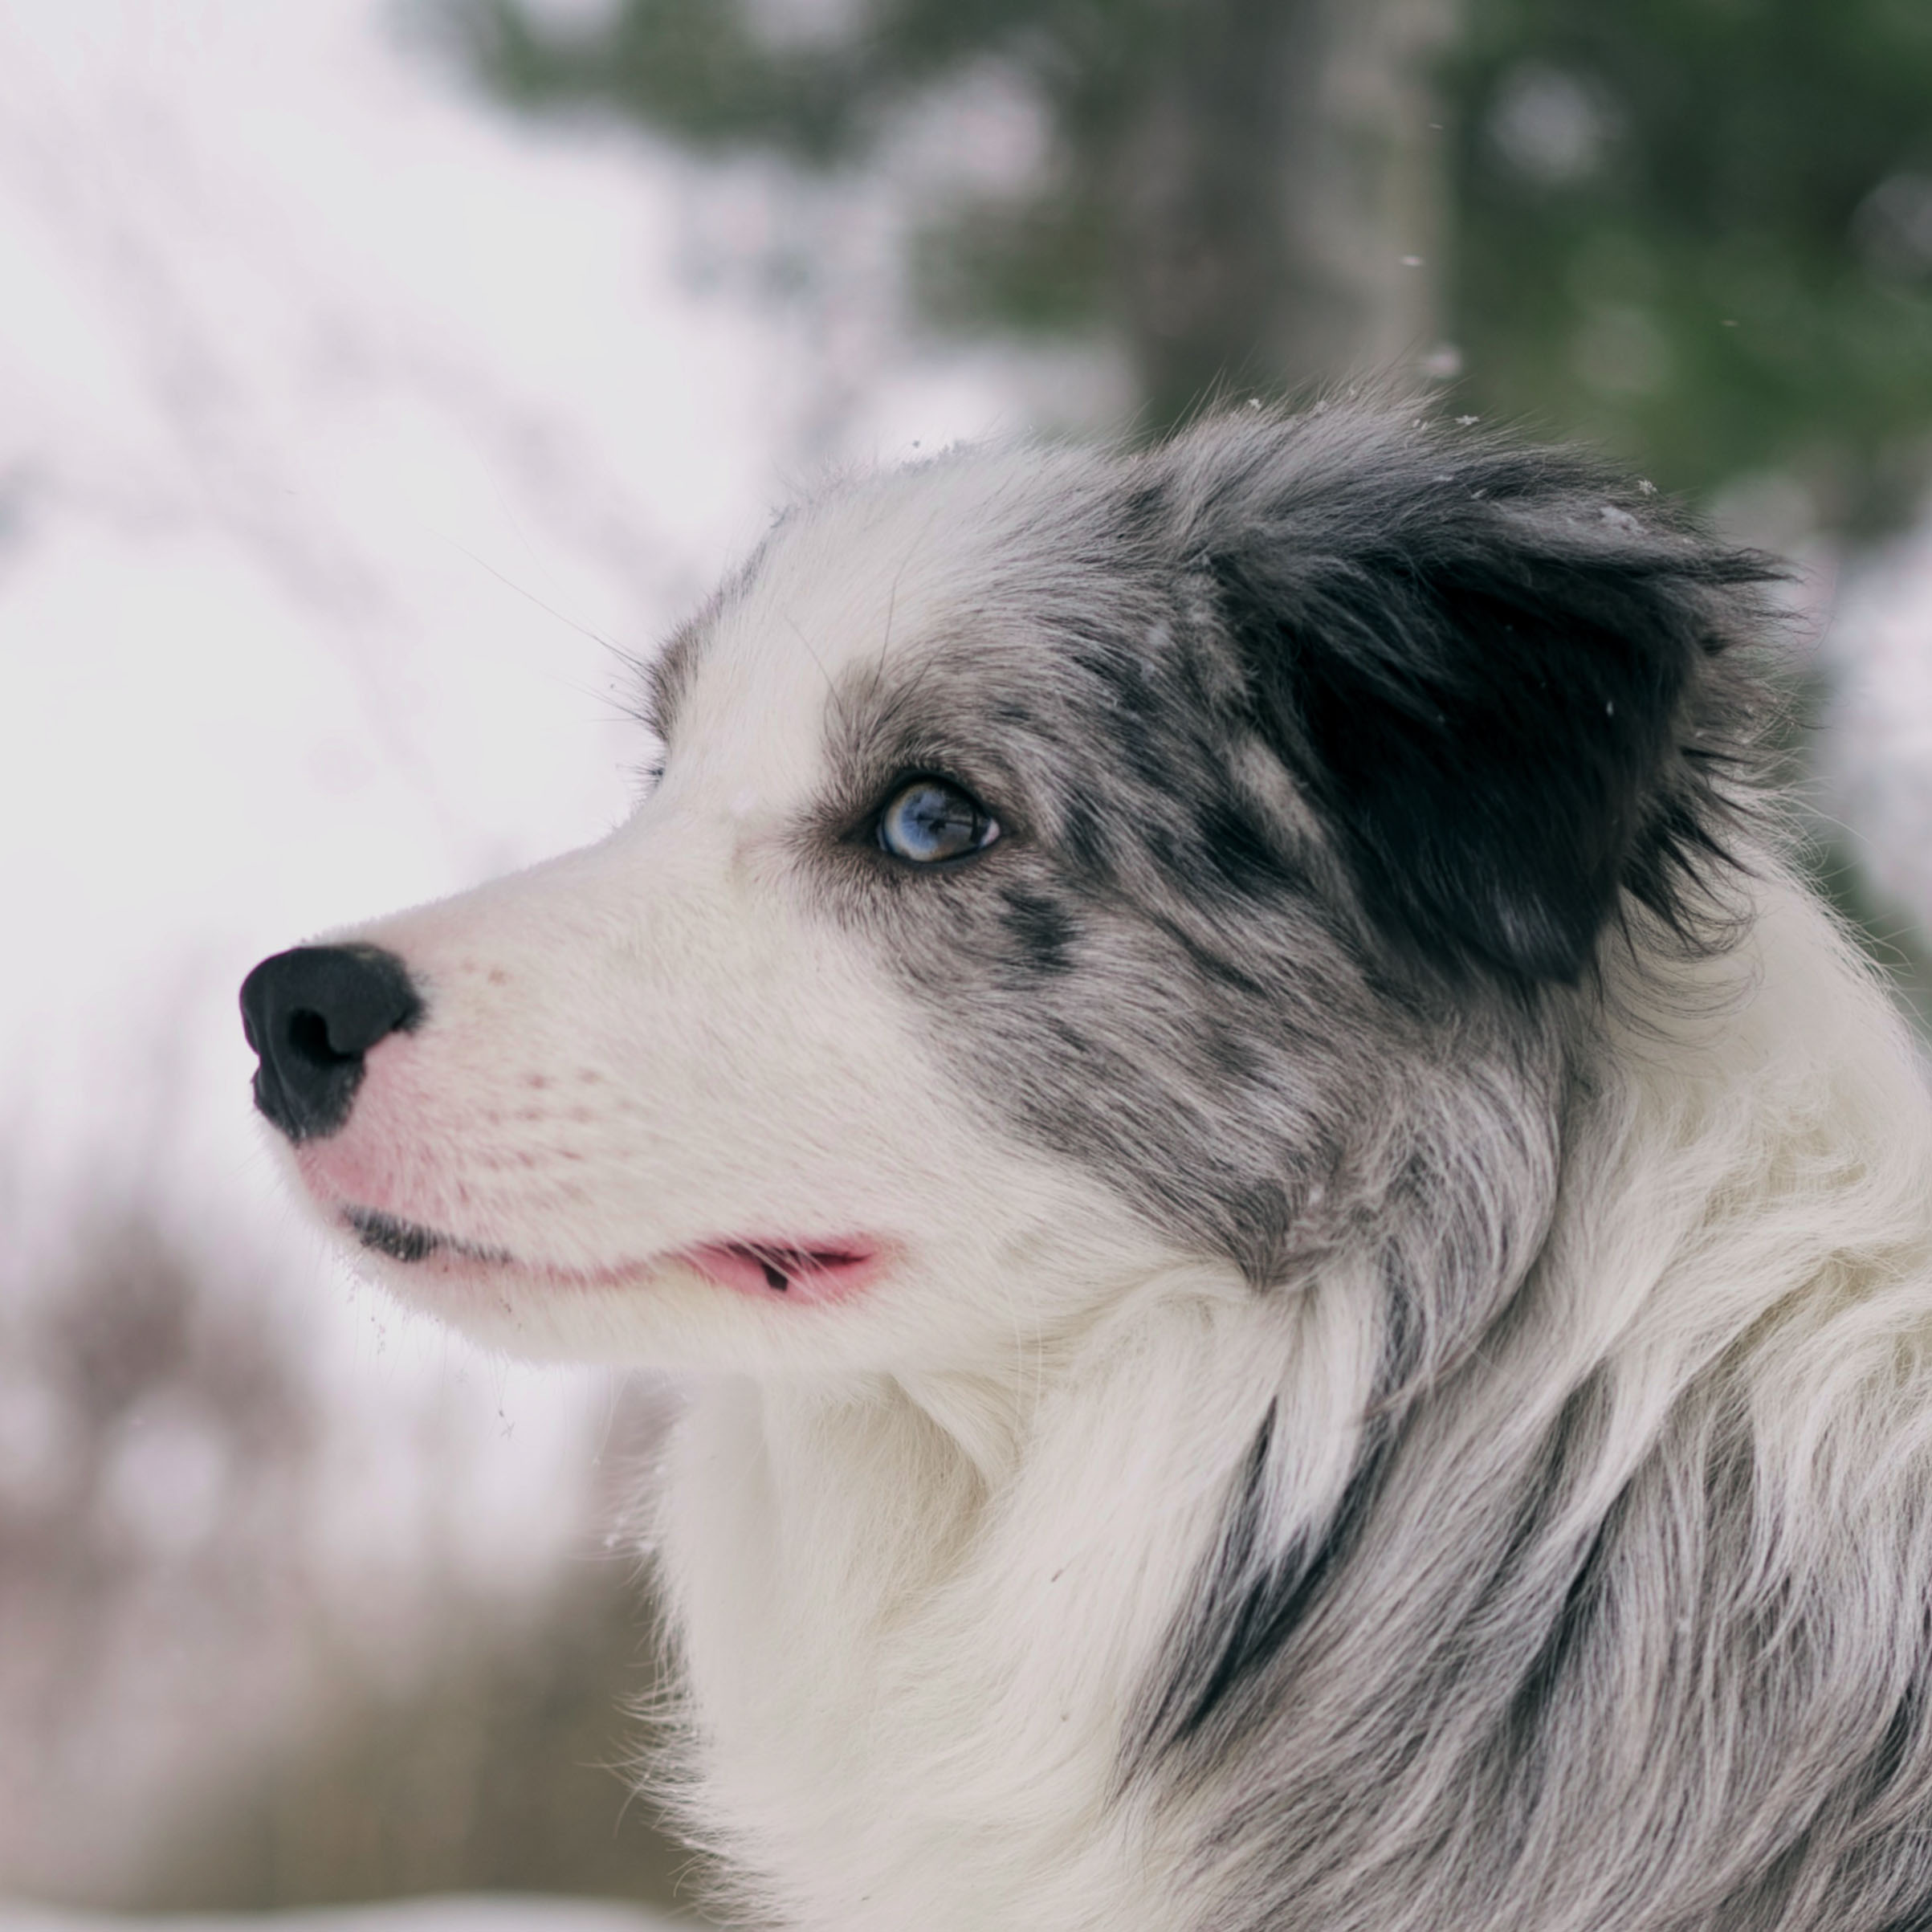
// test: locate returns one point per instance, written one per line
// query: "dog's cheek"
(1184, 1066)
(630, 1076)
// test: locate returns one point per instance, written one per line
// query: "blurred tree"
(207, 1700)
(157, 1436)
(1238, 191)
(502, 1766)
(1701, 229)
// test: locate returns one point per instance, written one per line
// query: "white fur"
(923, 1549)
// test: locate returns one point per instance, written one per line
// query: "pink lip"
(821, 1271)
(802, 1271)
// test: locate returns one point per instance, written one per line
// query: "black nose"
(311, 1015)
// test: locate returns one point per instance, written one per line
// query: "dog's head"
(1064, 868)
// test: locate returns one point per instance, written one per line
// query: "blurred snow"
(1877, 749)
(351, 435)
(492, 1913)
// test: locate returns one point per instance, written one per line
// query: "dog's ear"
(1499, 674)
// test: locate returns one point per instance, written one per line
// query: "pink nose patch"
(767, 1268)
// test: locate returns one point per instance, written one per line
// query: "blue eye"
(930, 820)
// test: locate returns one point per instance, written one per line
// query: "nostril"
(308, 1037)
(311, 1015)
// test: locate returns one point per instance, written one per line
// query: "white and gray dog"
(1305, 1274)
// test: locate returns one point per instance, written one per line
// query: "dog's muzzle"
(311, 1015)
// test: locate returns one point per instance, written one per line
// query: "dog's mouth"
(805, 1270)
(407, 1241)
(812, 1273)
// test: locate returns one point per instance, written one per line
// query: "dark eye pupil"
(928, 821)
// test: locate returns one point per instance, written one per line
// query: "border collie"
(1305, 1272)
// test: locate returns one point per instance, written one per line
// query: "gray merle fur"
(1335, 754)
(1327, 750)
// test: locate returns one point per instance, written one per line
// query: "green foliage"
(693, 69)
(1698, 229)
(1172, 248)
(714, 73)
(1702, 229)
(1039, 268)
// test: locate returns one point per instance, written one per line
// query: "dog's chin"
(410, 1241)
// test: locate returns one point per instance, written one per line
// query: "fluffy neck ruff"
(1186, 1624)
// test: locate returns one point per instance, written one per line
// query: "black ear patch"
(1501, 674)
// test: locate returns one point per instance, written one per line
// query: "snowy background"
(352, 435)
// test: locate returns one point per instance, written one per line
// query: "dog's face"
(689, 1095)
(1063, 869)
